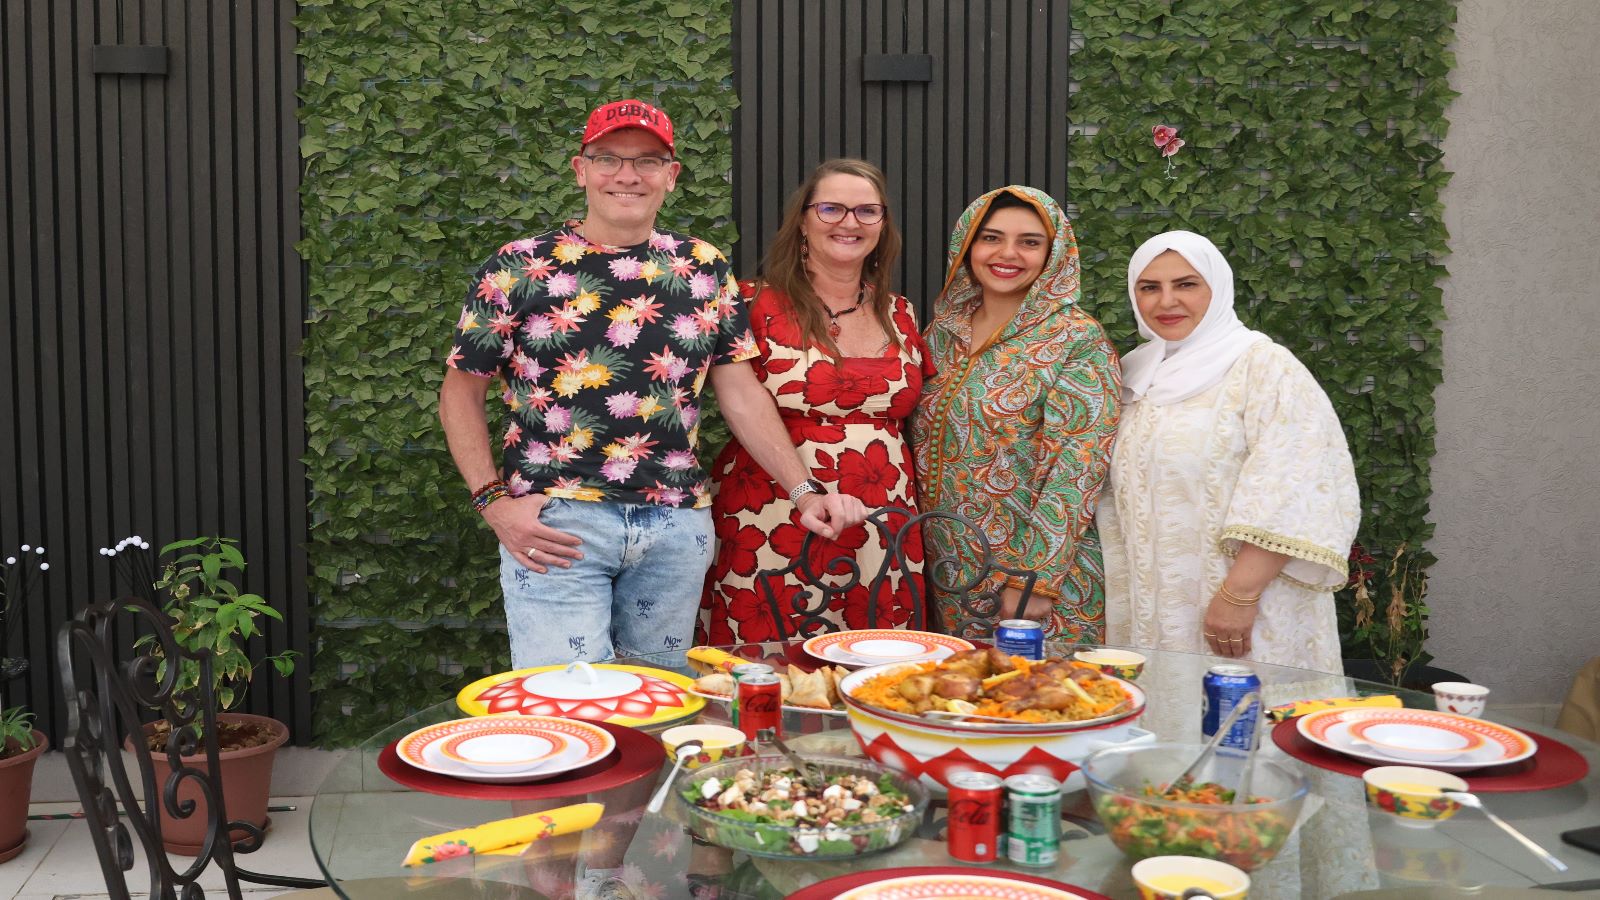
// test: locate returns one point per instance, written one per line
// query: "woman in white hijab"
(1232, 500)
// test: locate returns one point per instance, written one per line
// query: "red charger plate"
(1553, 765)
(638, 755)
(833, 887)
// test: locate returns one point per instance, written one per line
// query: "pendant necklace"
(833, 317)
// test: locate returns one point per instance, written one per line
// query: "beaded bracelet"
(1235, 599)
(489, 493)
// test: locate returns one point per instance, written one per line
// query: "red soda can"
(760, 704)
(973, 830)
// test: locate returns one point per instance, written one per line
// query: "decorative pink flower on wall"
(1166, 139)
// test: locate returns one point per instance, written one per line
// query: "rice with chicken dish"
(991, 683)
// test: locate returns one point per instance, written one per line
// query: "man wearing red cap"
(604, 331)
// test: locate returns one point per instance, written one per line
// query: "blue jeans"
(636, 590)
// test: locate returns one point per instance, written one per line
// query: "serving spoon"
(807, 774)
(1471, 800)
(685, 750)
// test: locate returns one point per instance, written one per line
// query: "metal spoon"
(807, 774)
(1248, 701)
(684, 751)
(1466, 799)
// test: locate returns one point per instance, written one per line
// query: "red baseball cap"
(628, 114)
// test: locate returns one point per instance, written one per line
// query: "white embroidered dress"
(1259, 458)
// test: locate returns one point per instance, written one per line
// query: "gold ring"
(1206, 634)
(1234, 640)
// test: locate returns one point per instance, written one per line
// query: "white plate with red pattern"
(877, 646)
(602, 692)
(497, 749)
(1455, 743)
(956, 887)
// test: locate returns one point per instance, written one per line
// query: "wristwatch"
(809, 486)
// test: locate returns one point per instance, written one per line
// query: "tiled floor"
(59, 861)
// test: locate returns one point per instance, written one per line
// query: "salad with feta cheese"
(773, 812)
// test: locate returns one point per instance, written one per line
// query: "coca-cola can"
(760, 704)
(973, 830)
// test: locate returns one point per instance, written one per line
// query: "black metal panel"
(154, 306)
(822, 78)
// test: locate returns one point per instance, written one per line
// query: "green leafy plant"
(434, 131)
(16, 731)
(1311, 156)
(211, 616)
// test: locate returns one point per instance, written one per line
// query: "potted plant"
(1386, 620)
(210, 615)
(20, 746)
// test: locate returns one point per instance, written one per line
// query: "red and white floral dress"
(847, 419)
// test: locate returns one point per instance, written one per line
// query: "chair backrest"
(823, 582)
(977, 587)
(113, 703)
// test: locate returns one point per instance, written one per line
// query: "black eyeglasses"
(608, 164)
(834, 213)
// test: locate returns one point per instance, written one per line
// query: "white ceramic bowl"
(1416, 742)
(933, 749)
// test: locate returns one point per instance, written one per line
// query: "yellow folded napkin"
(505, 837)
(712, 658)
(1290, 710)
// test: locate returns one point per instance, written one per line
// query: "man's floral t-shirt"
(603, 351)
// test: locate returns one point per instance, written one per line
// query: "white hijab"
(1169, 371)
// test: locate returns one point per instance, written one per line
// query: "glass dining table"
(362, 822)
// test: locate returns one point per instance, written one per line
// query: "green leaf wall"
(436, 131)
(1313, 160)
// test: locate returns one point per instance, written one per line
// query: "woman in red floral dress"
(842, 356)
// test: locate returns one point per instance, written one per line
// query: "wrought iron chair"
(113, 704)
(978, 594)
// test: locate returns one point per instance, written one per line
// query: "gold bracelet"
(1235, 599)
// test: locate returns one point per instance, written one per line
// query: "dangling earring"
(805, 249)
(872, 262)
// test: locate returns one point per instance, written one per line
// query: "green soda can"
(1033, 820)
(739, 672)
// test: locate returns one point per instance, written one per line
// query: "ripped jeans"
(636, 590)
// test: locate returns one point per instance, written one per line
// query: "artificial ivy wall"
(1311, 156)
(435, 131)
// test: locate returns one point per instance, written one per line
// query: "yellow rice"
(880, 692)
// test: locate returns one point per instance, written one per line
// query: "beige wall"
(1516, 484)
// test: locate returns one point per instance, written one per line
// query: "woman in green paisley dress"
(1015, 430)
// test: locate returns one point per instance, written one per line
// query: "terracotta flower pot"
(246, 783)
(16, 786)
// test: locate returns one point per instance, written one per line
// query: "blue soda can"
(1223, 687)
(1020, 637)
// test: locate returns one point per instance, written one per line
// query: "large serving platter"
(942, 883)
(552, 746)
(854, 680)
(1491, 744)
(879, 646)
(602, 692)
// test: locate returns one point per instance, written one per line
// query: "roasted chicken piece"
(957, 686)
(1043, 697)
(916, 687)
(968, 662)
(999, 663)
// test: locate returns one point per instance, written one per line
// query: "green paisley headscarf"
(1057, 287)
